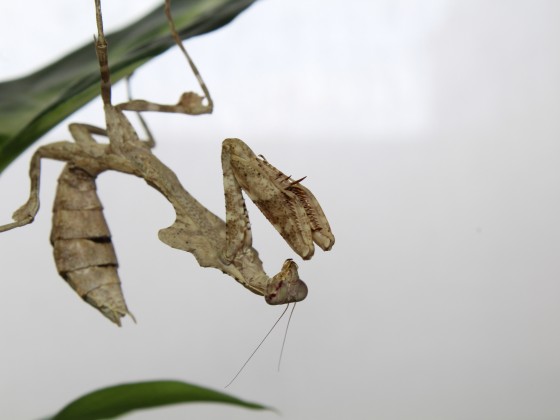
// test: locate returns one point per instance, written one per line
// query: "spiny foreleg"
(291, 208)
(286, 286)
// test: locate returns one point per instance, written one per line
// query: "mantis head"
(286, 286)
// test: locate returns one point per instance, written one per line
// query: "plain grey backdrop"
(429, 131)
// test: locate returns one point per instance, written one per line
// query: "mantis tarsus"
(81, 238)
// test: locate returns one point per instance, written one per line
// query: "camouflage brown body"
(83, 250)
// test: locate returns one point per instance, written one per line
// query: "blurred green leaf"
(108, 403)
(32, 105)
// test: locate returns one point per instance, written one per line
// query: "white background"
(428, 130)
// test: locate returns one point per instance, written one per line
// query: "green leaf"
(107, 403)
(32, 105)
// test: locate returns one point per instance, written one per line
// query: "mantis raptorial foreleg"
(289, 206)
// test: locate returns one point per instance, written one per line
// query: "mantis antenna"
(260, 344)
(285, 335)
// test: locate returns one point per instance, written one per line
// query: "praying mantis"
(81, 239)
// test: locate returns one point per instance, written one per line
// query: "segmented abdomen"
(83, 251)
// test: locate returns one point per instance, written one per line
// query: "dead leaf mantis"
(83, 251)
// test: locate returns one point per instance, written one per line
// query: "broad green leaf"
(32, 105)
(114, 401)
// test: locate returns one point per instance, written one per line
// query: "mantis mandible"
(83, 251)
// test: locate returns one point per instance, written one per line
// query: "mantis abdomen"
(83, 251)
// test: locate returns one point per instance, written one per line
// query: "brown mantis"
(83, 251)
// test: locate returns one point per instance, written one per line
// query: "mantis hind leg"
(26, 213)
(63, 151)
